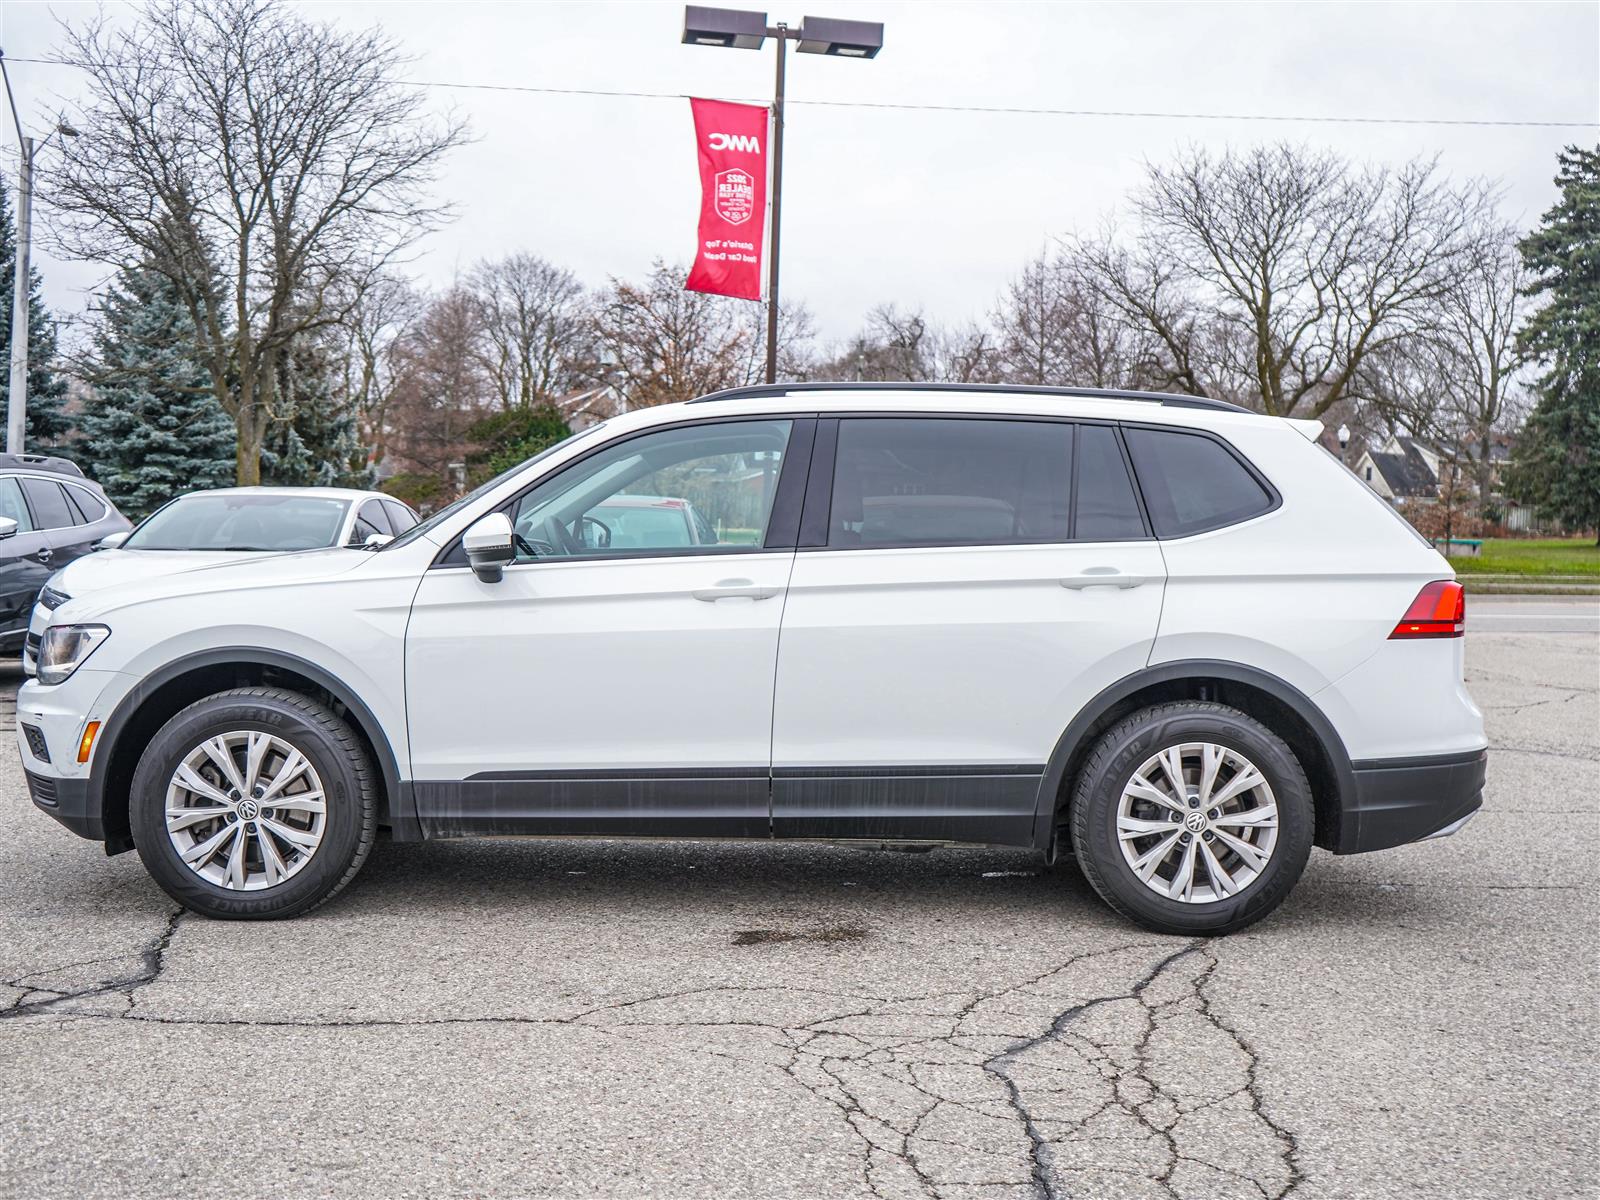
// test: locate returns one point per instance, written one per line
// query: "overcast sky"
(929, 209)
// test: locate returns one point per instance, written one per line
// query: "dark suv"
(49, 515)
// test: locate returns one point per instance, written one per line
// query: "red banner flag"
(732, 143)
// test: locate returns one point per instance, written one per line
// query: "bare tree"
(898, 345)
(1269, 275)
(1053, 325)
(440, 388)
(267, 165)
(662, 343)
(368, 345)
(1453, 382)
(796, 351)
(535, 328)
(1478, 317)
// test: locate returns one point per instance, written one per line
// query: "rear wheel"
(253, 804)
(1192, 818)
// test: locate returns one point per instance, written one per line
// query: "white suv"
(1173, 637)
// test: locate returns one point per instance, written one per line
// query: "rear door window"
(1107, 509)
(933, 481)
(1192, 483)
(50, 510)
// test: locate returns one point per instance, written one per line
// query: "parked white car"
(222, 526)
(1173, 637)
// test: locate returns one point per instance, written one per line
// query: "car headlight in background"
(50, 599)
(65, 647)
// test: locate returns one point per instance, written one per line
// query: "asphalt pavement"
(594, 1019)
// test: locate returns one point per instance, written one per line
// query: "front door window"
(705, 489)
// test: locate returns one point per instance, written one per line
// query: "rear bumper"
(1402, 800)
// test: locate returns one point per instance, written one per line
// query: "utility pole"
(17, 396)
(22, 287)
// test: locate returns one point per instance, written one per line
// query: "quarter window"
(1192, 483)
(701, 489)
(84, 506)
(941, 481)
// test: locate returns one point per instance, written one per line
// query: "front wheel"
(253, 804)
(1192, 818)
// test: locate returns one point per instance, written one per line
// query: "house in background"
(590, 406)
(1402, 468)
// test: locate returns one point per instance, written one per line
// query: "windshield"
(241, 521)
(455, 506)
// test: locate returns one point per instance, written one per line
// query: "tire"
(271, 869)
(1113, 796)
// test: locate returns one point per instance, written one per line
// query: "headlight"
(65, 647)
(51, 599)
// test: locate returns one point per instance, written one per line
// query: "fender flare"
(1072, 738)
(398, 797)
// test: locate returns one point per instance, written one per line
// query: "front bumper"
(1402, 800)
(67, 800)
(50, 725)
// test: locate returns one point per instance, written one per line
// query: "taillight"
(1439, 611)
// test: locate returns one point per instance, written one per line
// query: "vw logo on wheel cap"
(1194, 822)
(249, 810)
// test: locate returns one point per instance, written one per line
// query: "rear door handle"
(734, 589)
(1102, 577)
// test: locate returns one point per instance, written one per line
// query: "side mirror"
(112, 540)
(374, 540)
(8, 527)
(488, 546)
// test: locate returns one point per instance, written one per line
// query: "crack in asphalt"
(152, 958)
(942, 1092)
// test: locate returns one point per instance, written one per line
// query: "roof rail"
(1170, 399)
(40, 462)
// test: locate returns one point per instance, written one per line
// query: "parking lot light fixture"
(731, 28)
(845, 39)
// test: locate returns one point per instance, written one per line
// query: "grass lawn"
(1511, 556)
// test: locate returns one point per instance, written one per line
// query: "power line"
(998, 110)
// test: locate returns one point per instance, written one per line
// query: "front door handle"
(42, 554)
(1102, 577)
(734, 589)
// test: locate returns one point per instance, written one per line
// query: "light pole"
(740, 29)
(17, 395)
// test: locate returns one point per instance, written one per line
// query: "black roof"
(1172, 400)
(1406, 474)
(40, 462)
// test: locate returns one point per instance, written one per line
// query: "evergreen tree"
(318, 444)
(151, 428)
(46, 389)
(1556, 465)
(512, 436)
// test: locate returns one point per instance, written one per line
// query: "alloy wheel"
(245, 810)
(1197, 822)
